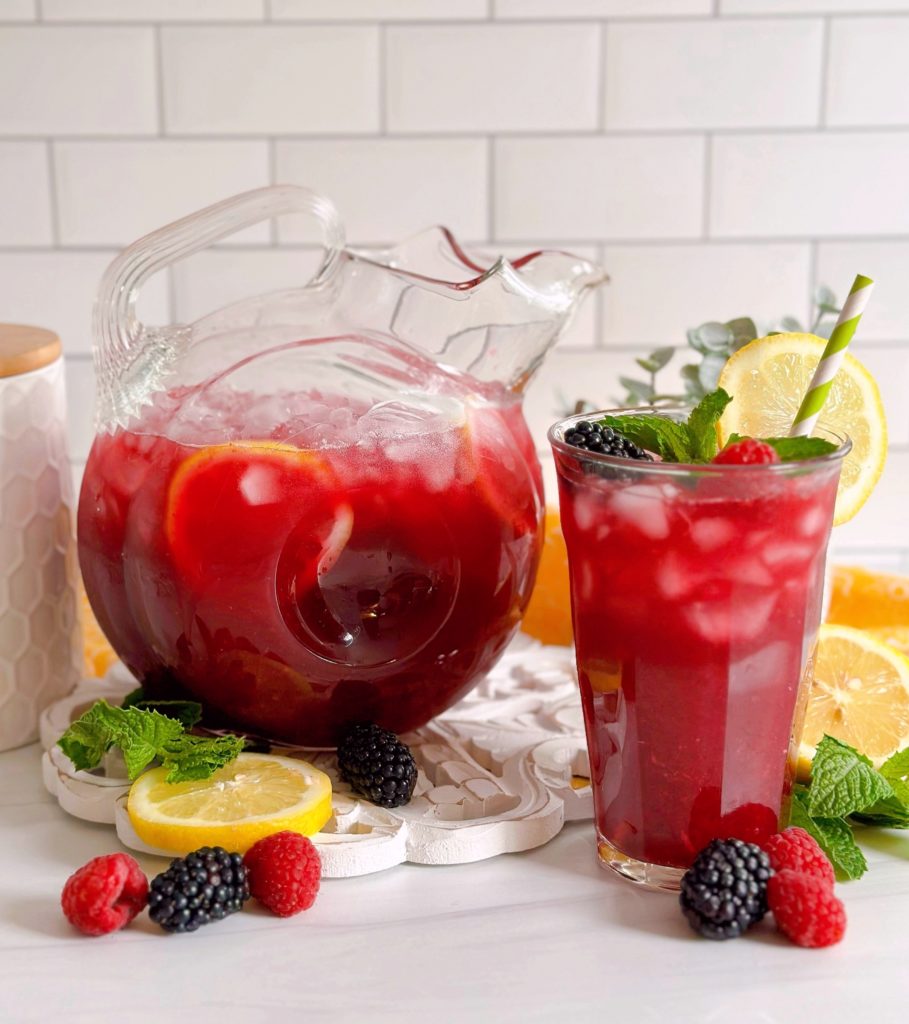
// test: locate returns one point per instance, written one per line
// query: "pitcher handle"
(116, 327)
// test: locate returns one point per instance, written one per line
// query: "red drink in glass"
(302, 560)
(696, 597)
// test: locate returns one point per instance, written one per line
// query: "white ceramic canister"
(40, 640)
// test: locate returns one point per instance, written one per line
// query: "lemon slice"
(252, 797)
(229, 504)
(768, 379)
(860, 695)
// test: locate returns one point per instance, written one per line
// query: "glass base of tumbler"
(658, 877)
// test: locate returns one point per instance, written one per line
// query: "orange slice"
(548, 616)
(230, 505)
(98, 655)
(868, 600)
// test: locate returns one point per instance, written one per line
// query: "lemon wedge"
(768, 379)
(860, 695)
(252, 797)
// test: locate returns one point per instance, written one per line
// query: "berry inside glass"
(303, 559)
(696, 597)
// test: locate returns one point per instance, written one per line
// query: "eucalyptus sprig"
(714, 342)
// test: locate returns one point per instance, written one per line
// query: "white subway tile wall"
(720, 157)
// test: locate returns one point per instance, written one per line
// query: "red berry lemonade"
(696, 597)
(302, 560)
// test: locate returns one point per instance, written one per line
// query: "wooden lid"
(24, 348)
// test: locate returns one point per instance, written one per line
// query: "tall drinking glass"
(696, 597)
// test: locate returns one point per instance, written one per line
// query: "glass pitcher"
(322, 505)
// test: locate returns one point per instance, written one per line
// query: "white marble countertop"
(539, 936)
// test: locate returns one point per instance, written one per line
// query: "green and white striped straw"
(832, 357)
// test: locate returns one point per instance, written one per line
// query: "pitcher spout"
(487, 314)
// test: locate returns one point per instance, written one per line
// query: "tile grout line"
(825, 73)
(159, 80)
(652, 242)
(490, 187)
(708, 185)
(381, 69)
(550, 20)
(435, 135)
(603, 39)
(813, 259)
(273, 180)
(52, 194)
(39, 11)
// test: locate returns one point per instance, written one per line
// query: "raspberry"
(749, 452)
(105, 894)
(284, 871)
(805, 909)
(796, 850)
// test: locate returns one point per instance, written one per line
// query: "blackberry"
(377, 765)
(724, 892)
(197, 889)
(591, 437)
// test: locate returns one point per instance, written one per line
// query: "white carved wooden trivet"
(499, 772)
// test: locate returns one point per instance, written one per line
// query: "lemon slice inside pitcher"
(768, 379)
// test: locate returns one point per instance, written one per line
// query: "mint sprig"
(692, 441)
(846, 788)
(793, 449)
(695, 440)
(144, 736)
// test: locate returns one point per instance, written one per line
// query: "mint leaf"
(657, 434)
(143, 736)
(888, 813)
(793, 449)
(892, 811)
(896, 771)
(702, 423)
(90, 737)
(833, 835)
(186, 712)
(134, 697)
(190, 758)
(843, 781)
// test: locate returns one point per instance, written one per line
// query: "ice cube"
(585, 512)
(674, 578)
(786, 554)
(813, 521)
(712, 533)
(763, 669)
(722, 622)
(643, 507)
(748, 569)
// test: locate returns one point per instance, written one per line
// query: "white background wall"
(721, 157)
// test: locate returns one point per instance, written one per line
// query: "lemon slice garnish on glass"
(768, 379)
(252, 797)
(860, 695)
